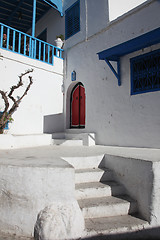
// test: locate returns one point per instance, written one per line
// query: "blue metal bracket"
(116, 73)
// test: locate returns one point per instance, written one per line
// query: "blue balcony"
(19, 14)
(17, 18)
(26, 45)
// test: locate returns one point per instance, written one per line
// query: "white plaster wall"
(95, 24)
(44, 97)
(155, 207)
(89, 24)
(112, 113)
(137, 176)
(54, 24)
(141, 179)
(54, 123)
(27, 186)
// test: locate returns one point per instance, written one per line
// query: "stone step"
(59, 135)
(93, 175)
(87, 138)
(85, 162)
(75, 130)
(113, 225)
(107, 206)
(65, 142)
(98, 189)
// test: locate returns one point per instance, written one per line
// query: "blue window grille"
(72, 20)
(145, 73)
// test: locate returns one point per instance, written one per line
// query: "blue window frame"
(145, 73)
(72, 20)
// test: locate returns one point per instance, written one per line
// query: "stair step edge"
(92, 169)
(113, 225)
(105, 201)
(104, 184)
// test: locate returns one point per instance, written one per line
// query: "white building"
(23, 51)
(105, 80)
(125, 115)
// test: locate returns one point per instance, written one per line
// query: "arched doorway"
(77, 106)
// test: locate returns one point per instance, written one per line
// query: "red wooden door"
(78, 106)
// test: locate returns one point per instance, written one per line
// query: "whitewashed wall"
(44, 97)
(53, 22)
(89, 23)
(112, 113)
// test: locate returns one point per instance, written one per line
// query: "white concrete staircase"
(104, 203)
(73, 137)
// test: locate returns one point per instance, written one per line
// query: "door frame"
(71, 96)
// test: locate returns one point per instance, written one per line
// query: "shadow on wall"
(146, 234)
(53, 123)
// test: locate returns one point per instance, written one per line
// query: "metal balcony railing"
(26, 45)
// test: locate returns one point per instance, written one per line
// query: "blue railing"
(22, 43)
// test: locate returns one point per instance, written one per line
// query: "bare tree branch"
(19, 84)
(5, 98)
(4, 118)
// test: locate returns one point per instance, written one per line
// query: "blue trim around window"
(145, 73)
(72, 20)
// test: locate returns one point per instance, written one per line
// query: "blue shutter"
(72, 20)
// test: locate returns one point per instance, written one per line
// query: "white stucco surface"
(117, 117)
(57, 119)
(29, 184)
(9, 141)
(137, 169)
(34, 178)
(60, 221)
(53, 23)
(44, 97)
(137, 177)
(155, 207)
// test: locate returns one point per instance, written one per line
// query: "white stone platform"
(32, 178)
(27, 185)
(9, 141)
(74, 137)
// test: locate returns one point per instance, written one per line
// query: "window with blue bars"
(145, 73)
(72, 20)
